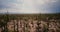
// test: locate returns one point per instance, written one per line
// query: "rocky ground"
(32, 24)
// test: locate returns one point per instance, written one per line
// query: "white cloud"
(3, 11)
(44, 6)
(19, 0)
(42, 2)
(24, 11)
(30, 6)
(15, 5)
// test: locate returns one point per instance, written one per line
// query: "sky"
(29, 6)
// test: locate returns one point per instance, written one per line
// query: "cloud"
(43, 2)
(30, 6)
(48, 6)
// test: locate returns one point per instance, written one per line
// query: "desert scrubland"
(30, 23)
